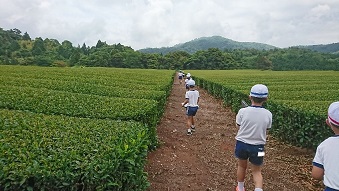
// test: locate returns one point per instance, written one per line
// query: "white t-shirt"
(192, 96)
(180, 74)
(186, 80)
(254, 122)
(327, 157)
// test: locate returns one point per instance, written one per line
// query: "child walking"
(325, 162)
(188, 78)
(180, 76)
(192, 99)
(253, 122)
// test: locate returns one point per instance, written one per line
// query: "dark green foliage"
(26, 36)
(212, 59)
(263, 63)
(78, 128)
(40, 60)
(302, 59)
(329, 48)
(75, 58)
(204, 43)
(44, 152)
(215, 53)
(292, 123)
(38, 47)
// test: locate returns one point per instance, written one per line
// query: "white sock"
(192, 126)
(241, 186)
(188, 130)
(258, 189)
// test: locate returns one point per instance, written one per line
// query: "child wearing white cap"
(253, 122)
(188, 78)
(180, 76)
(325, 162)
(191, 103)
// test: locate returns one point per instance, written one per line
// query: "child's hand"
(182, 104)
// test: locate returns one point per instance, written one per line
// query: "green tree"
(75, 57)
(117, 60)
(38, 47)
(26, 37)
(42, 60)
(176, 60)
(100, 44)
(132, 59)
(264, 63)
(15, 34)
(66, 49)
(84, 49)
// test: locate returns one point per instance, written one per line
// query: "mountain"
(205, 43)
(324, 48)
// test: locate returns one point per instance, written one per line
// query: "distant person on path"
(253, 122)
(326, 159)
(191, 99)
(188, 77)
(180, 76)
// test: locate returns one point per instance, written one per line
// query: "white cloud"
(157, 23)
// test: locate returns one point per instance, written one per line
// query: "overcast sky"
(164, 23)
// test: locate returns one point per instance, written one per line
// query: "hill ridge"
(204, 43)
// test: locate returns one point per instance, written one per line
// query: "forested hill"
(205, 43)
(19, 49)
(325, 48)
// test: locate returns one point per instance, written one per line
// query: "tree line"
(19, 49)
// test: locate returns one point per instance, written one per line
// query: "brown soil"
(205, 160)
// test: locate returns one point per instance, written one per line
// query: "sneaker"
(237, 189)
(189, 132)
(192, 128)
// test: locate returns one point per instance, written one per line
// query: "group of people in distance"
(253, 122)
(191, 101)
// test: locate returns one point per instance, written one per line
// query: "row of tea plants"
(298, 100)
(78, 128)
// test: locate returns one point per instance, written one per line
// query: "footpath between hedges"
(205, 160)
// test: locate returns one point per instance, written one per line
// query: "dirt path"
(205, 160)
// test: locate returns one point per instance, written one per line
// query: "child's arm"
(317, 173)
(185, 102)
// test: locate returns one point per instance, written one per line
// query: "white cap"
(333, 113)
(191, 83)
(259, 91)
(188, 75)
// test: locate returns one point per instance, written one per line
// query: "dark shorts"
(180, 77)
(191, 111)
(330, 189)
(246, 151)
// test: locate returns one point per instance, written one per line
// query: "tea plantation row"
(78, 128)
(298, 100)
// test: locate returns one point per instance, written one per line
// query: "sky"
(165, 23)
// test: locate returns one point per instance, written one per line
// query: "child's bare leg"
(189, 121)
(257, 176)
(241, 172)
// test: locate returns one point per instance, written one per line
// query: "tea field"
(91, 128)
(78, 128)
(298, 100)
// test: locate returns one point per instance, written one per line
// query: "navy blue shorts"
(330, 189)
(191, 111)
(246, 151)
(180, 77)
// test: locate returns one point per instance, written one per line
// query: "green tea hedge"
(44, 152)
